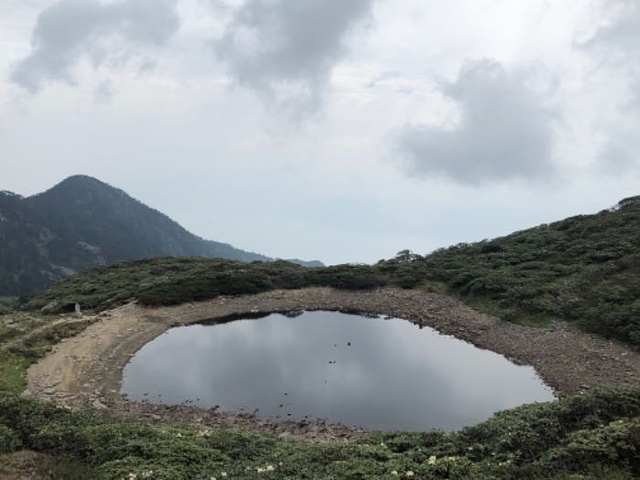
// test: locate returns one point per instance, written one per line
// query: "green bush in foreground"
(582, 437)
(9, 441)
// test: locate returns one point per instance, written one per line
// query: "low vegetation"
(584, 269)
(25, 338)
(168, 281)
(593, 436)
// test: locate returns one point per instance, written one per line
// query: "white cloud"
(71, 30)
(617, 43)
(616, 49)
(287, 49)
(184, 142)
(505, 131)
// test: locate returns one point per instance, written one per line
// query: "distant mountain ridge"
(83, 222)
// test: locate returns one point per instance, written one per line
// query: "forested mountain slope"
(83, 222)
(121, 226)
(32, 255)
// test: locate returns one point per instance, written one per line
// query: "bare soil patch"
(86, 370)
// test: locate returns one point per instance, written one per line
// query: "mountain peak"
(78, 186)
(85, 192)
(96, 213)
(81, 181)
(81, 178)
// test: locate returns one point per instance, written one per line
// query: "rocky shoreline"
(86, 370)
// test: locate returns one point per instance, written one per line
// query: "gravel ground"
(86, 370)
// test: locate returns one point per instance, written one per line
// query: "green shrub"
(609, 444)
(579, 437)
(9, 441)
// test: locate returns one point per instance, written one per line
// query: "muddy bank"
(86, 370)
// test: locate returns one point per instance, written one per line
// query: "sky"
(338, 130)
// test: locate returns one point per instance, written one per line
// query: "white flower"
(410, 473)
(395, 472)
(223, 474)
(432, 460)
(270, 468)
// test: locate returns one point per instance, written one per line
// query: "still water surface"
(376, 373)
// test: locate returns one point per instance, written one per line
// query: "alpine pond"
(371, 372)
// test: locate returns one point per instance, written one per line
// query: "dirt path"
(86, 370)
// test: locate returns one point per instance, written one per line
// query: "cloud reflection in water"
(388, 374)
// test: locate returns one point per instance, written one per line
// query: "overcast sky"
(339, 130)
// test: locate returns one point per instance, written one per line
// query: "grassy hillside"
(168, 281)
(584, 269)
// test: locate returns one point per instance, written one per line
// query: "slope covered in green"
(584, 269)
(119, 225)
(169, 281)
(33, 255)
